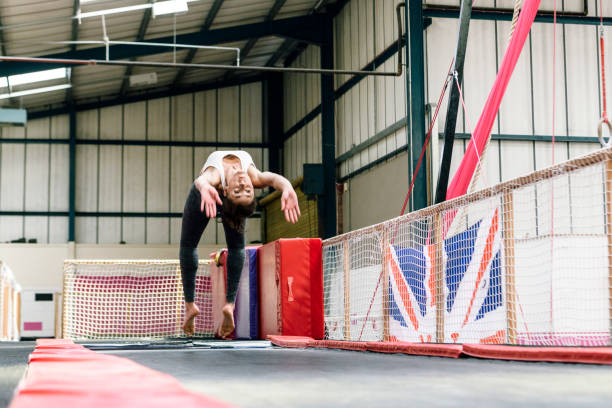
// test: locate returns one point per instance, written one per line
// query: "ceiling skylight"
(34, 91)
(38, 76)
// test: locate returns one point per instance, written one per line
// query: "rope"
(478, 170)
(431, 125)
(515, 17)
(552, 188)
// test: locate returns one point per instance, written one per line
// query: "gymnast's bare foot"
(228, 326)
(191, 311)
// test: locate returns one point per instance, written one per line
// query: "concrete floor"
(277, 377)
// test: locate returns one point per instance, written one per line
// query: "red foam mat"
(290, 341)
(62, 374)
(588, 355)
(424, 349)
(340, 344)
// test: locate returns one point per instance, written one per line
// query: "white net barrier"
(131, 300)
(524, 262)
(9, 304)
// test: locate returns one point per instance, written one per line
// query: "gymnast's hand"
(210, 198)
(289, 204)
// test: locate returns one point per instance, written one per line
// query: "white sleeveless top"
(216, 160)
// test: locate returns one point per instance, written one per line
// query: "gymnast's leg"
(235, 262)
(194, 223)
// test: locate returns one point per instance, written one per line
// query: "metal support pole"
(327, 203)
(416, 80)
(72, 176)
(453, 100)
(274, 119)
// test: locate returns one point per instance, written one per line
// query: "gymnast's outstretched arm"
(289, 200)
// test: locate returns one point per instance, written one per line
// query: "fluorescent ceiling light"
(169, 7)
(3, 82)
(113, 11)
(34, 91)
(143, 79)
(174, 6)
(38, 76)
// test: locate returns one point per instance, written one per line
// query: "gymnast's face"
(239, 188)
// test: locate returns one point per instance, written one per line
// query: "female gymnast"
(227, 179)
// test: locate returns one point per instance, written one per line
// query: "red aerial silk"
(463, 176)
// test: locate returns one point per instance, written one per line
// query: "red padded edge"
(316, 288)
(74, 376)
(423, 349)
(340, 344)
(589, 355)
(290, 341)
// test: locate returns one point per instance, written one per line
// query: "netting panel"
(131, 300)
(9, 304)
(523, 262)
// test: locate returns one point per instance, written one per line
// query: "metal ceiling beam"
(142, 31)
(244, 52)
(73, 37)
(163, 93)
(305, 28)
(212, 13)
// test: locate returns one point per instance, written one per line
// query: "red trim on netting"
(340, 344)
(587, 355)
(290, 341)
(63, 374)
(422, 349)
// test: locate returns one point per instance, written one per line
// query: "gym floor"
(256, 374)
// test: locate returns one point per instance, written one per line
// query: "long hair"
(233, 214)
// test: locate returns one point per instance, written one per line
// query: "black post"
(274, 119)
(453, 100)
(72, 175)
(327, 203)
(416, 101)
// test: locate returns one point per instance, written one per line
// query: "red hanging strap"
(604, 114)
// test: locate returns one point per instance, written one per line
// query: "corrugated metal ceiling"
(27, 28)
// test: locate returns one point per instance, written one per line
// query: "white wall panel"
(135, 121)
(157, 231)
(226, 115)
(58, 178)
(251, 112)
(134, 183)
(158, 185)
(86, 198)
(543, 154)
(110, 169)
(182, 117)
(133, 230)
(38, 128)
(86, 230)
(11, 177)
(182, 177)
(109, 230)
(37, 177)
(205, 111)
(515, 110)
(517, 159)
(175, 230)
(158, 119)
(13, 132)
(60, 127)
(582, 84)
(87, 124)
(11, 228)
(111, 119)
(541, 39)
(58, 230)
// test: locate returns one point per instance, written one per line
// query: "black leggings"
(194, 223)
